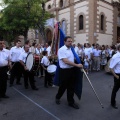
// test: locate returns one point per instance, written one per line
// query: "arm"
(66, 61)
(43, 67)
(116, 76)
(22, 63)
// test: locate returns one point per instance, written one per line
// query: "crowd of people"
(93, 57)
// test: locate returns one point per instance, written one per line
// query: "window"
(81, 22)
(61, 3)
(102, 22)
(49, 6)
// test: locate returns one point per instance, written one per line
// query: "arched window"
(64, 26)
(81, 22)
(49, 6)
(102, 22)
(61, 3)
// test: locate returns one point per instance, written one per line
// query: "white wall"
(104, 39)
(81, 7)
(107, 9)
(65, 14)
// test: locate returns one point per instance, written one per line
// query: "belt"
(67, 68)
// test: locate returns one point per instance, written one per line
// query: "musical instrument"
(51, 69)
(8, 72)
(107, 69)
(33, 63)
(29, 61)
(36, 64)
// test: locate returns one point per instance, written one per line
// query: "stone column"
(92, 21)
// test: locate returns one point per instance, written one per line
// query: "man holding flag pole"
(66, 71)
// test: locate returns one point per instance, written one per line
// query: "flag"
(78, 73)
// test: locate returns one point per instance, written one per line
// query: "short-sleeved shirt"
(4, 57)
(115, 63)
(49, 50)
(96, 53)
(65, 52)
(45, 61)
(23, 56)
(88, 51)
(15, 53)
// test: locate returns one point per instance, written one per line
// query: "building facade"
(87, 21)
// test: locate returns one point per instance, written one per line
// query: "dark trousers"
(16, 72)
(29, 76)
(48, 78)
(67, 82)
(3, 80)
(115, 89)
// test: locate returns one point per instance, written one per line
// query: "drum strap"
(27, 57)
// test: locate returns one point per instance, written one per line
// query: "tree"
(21, 15)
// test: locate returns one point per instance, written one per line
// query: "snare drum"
(36, 63)
(51, 69)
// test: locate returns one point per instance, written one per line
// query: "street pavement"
(40, 105)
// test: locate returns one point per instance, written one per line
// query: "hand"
(117, 76)
(80, 65)
(25, 68)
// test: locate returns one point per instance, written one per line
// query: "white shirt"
(79, 52)
(65, 52)
(4, 57)
(115, 63)
(49, 50)
(96, 53)
(15, 53)
(76, 49)
(88, 51)
(86, 62)
(23, 56)
(32, 49)
(38, 51)
(45, 61)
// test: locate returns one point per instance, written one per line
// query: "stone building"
(87, 21)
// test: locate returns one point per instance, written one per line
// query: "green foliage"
(19, 16)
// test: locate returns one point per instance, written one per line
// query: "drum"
(29, 61)
(107, 69)
(51, 69)
(36, 63)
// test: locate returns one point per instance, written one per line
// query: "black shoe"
(57, 101)
(114, 106)
(18, 84)
(74, 105)
(35, 88)
(5, 96)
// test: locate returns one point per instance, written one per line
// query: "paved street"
(40, 105)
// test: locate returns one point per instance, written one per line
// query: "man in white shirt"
(67, 64)
(4, 63)
(115, 70)
(38, 52)
(96, 58)
(16, 70)
(28, 75)
(49, 48)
